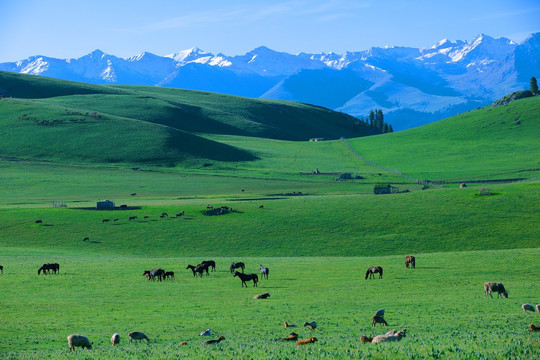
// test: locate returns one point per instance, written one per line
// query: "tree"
(371, 118)
(379, 119)
(533, 85)
(385, 128)
(390, 128)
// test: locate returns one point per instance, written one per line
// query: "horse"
(410, 260)
(195, 269)
(264, 272)
(132, 218)
(247, 277)
(46, 268)
(2, 269)
(168, 275)
(157, 273)
(203, 267)
(373, 270)
(105, 220)
(490, 287)
(236, 265)
(210, 264)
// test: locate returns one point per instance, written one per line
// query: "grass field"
(317, 245)
(441, 303)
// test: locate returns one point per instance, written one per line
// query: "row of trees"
(375, 121)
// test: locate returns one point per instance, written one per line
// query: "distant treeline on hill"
(375, 121)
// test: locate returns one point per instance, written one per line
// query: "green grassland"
(441, 303)
(151, 141)
(490, 143)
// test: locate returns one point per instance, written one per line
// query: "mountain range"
(412, 86)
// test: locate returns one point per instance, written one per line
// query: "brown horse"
(410, 260)
(373, 270)
(247, 277)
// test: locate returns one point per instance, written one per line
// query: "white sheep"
(75, 340)
(115, 339)
(388, 338)
(528, 307)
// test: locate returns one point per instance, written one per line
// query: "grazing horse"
(410, 260)
(157, 273)
(373, 270)
(264, 272)
(195, 269)
(46, 268)
(2, 269)
(105, 220)
(236, 265)
(490, 287)
(247, 277)
(38, 221)
(210, 264)
(168, 275)
(132, 218)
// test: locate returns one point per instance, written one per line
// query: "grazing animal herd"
(77, 340)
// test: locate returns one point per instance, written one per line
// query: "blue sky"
(73, 28)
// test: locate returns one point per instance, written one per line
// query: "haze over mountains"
(413, 86)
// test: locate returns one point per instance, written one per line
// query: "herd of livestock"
(157, 274)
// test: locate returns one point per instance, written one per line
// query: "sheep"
(135, 335)
(534, 328)
(378, 320)
(206, 332)
(262, 296)
(528, 307)
(287, 325)
(388, 338)
(217, 341)
(75, 340)
(306, 341)
(115, 339)
(312, 325)
(292, 337)
(394, 331)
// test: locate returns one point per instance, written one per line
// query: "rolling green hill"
(494, 142)
(60, 120)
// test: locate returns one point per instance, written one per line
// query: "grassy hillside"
(177, 110)
(489, 143)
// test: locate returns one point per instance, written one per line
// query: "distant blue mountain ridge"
(412, 86)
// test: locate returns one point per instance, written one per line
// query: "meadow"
(317, 235)
(441, 303)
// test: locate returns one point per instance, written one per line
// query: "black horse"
(247, 277)
(196, 269)
(373, 270)
(210, 264)
(2, 269)
(236, 265)
(47, 268)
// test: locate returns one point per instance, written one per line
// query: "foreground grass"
(441, 303)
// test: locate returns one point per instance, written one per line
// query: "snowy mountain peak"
(188, 55)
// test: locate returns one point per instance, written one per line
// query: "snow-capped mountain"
(412, 86)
